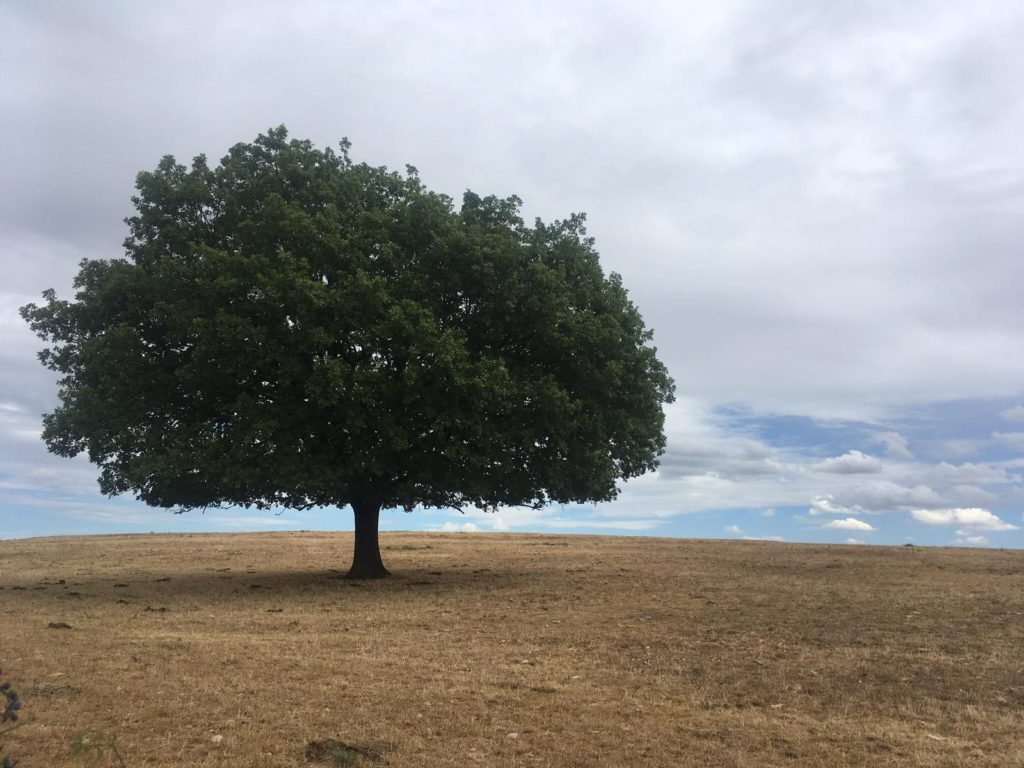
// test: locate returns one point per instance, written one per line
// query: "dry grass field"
(513, 650)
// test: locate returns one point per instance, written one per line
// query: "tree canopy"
(290, 328)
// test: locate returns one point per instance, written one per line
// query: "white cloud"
(850, 524)
(895, 445)
(247, 521)
(852, 463)
(733, 529)
(498, 523)
(1013, 414)
(976, 541)
(612, 525)
(898, 486)
(856, 541)
(451, 527)
(973, 518)
(763, 538)
(825, 505)
(770, 512)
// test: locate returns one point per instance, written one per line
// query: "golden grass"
(515, 650)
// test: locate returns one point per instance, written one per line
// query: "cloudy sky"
(818, 206)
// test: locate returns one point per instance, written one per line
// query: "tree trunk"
(366, 562)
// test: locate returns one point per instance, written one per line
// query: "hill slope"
(514, 650)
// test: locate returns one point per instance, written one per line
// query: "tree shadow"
(269, 586)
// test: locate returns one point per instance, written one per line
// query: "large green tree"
(293, 329)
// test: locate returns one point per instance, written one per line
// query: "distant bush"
(12, 705)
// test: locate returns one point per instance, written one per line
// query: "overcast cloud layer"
(816, 205)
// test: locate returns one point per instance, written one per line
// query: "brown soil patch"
(514, 650)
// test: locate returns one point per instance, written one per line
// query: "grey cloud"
(738, 458)
(896, 445)
(817, 210)
(972, 494)
(886, 496)
(961, 446)
(977, 474)
(1013, 414)
(1011, 439)
(793, 182)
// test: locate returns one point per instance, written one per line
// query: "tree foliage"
(9, 713)
(293, 328)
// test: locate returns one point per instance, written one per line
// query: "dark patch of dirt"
(334, 752)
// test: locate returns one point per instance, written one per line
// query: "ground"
(513, 650)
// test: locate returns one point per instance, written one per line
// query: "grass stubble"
(514, 650)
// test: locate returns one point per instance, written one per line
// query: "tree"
(293, 329)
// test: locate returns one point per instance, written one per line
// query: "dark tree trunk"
(366, 562)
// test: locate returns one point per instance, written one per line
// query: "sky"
(817, 206)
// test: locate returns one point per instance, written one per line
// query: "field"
(513, 650)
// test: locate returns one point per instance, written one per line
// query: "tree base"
(366, 562)
(367, 572)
